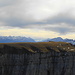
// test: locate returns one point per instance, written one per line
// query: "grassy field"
(40, 46)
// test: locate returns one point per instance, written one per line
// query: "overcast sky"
(37, 18)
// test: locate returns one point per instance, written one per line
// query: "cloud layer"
(52, 15)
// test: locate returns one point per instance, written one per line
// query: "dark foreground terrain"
(43, 58)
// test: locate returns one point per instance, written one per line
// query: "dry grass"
(42, 46)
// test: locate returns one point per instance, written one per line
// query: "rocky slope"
(43, 58)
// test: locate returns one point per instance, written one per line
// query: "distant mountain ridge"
(59, 39)
(8, 39)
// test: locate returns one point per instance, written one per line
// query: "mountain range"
(59, 39)
(9, 39)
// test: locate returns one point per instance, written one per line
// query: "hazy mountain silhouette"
(7, 39)
(59, 39)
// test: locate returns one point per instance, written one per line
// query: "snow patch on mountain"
(8, 39)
